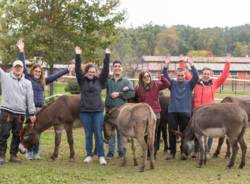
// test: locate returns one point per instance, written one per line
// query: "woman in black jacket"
(91, 107)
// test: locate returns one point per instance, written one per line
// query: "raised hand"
(20, 45)
(190, 60)
(71, 68)
(228, 58)
(167, 60)
(107, 51)
(78, 50)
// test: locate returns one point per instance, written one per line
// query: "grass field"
(62, 171)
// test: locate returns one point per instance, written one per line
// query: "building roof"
(160, 59)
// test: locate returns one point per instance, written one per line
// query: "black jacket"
(91, 100)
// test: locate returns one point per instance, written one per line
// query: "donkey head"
(110, 123)
(29, 136)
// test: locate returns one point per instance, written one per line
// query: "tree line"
(51, 29)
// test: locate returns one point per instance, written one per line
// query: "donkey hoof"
(53, 157)
(141, 169)
(229, 166)
(135, 163)
(71, 159)
(152, 166)
(123, 163)
(215, 156)
(242, 165)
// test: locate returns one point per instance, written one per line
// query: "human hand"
(115, 94)
(167, 60)
(20, 45)
(228, 58)
(71, 68)
(190, 60)
(32, 120)
(125, 89)
(78, 50)
(107, 51)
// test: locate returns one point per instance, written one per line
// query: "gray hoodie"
(17, 94)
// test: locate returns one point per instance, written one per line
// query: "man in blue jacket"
(180, 103)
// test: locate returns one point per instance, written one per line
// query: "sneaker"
(36, 156)
(102, 161)
(15, 159)
(88, 159)
(170, 157)
(2, 160)
(110, 156)
(22, 149)
(29, 155)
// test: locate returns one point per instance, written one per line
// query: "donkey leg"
(217, 152)
(228, 153)
(124, 160)
(243, 147)
(151, 148)
(133, 150)
(235, 148)
(68, 129)
(144, 147)
(58, 135)
(201, 149)
(206, 148)
(165, 136)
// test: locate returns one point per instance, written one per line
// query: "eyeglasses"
(146, 76)
(180, 75)
(38, 71)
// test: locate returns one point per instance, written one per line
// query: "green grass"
(62, 171)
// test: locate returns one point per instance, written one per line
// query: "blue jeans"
(93, 124)
(112, 142)
(209, 144)
(36, 147)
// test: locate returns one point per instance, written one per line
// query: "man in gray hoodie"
(17, 97)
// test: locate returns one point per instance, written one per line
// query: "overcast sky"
(196, 13)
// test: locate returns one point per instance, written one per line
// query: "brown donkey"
(60, 114)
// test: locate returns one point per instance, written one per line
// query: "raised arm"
(21, 56)
(165, 70)
(221, 79)
(182, 65)
(56, 75)
(79, 75)
(163, 83)
(105, 70)
(30, 99)
(195, 75)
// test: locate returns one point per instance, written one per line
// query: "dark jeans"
(93, 124)
(10, 122)
(176, 119)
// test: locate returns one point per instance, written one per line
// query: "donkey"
(217, 120)
(243, 102)
(133, 120)
(60, 114)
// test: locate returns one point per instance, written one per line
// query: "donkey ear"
(178, 133)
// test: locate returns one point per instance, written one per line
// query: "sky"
(195, 13)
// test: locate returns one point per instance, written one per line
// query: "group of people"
(23, 95)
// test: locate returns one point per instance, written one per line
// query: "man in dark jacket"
(119, 90)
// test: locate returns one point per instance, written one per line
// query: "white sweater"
(17, 94)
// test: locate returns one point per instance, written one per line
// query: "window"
(234, 73)
(216, 72)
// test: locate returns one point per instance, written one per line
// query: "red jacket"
(205, 94)
(151, 96)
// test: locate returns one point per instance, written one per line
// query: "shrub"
(73, 88)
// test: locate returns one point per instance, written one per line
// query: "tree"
(51, 28)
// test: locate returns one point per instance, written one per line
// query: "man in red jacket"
(205, 89)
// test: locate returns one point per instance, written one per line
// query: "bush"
(73, 88)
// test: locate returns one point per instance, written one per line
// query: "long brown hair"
(42, 79)
(142, 86)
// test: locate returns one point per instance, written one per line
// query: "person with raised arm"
(180, 102)
(91, 106)
(38, 81)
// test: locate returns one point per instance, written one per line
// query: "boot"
(2, 160)
(15, 159)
